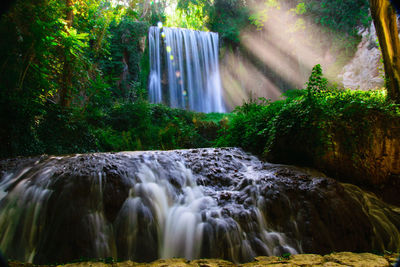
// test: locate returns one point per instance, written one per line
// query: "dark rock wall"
(370, 160)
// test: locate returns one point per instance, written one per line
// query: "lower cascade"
(184, 69)
(213, 203)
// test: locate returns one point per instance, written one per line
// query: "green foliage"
(339, 15)
(105, 51)
(124, 126)
(73, 42)
(316, 83)
(216, 117)
(227, 17)
(300, 9)
(45, 52)
(301, 127)
(338, 21)
(18, 117)
(63, 131)
(123, 68)
(259, 16)
(189, 14)
(157, 13)
(285, 256)
(138, 126)
(144, 71)
(29, 68)
(322, 25)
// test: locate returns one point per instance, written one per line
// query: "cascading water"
(155, 93)
(191, 78)
(215, 203)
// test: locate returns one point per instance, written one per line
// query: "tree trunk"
(146, 7)
(384, 17)
(66, 83)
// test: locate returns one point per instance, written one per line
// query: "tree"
(67, 70)
(384, 17)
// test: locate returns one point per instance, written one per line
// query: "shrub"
(300, 128)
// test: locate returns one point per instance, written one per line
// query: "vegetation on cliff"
(306, 119)
(351, 135)
(121, 127)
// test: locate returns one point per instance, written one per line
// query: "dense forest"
(74, 73)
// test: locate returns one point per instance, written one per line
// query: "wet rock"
(225, 196)
(125, 205)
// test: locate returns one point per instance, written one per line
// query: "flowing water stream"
(184, 69)
(217, 203)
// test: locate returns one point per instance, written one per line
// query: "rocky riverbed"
(197, 203)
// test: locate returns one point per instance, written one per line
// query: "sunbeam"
(278, 56)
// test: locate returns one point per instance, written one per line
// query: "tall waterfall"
(191, 78)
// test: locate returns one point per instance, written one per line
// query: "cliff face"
(368, 159)
(365, 70)
(374, 162)
(362, 149)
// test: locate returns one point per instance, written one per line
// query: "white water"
(155, 65)
(185, 62)
(165, 211)
(182, 213)
(200, 203)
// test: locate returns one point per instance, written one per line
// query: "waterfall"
(213, 203)
(191, 78)
(155, 65)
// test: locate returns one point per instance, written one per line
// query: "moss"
(333, 259)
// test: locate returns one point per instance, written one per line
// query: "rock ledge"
(303, 260)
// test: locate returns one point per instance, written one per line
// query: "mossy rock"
(300, 260)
